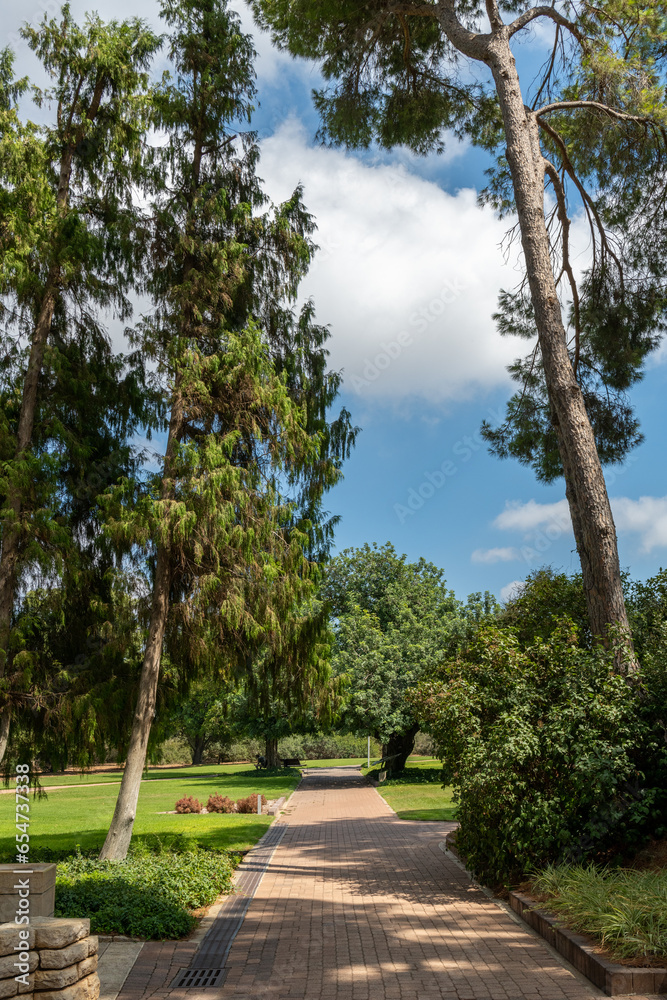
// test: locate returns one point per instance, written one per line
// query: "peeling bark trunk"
(5, 722)
(586, 489)
(118, 838)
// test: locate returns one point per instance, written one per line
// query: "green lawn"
(418, 793)
(152, 774)
(81, 815)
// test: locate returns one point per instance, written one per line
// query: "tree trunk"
(120, 832)
(5, 722)
(586, 489)
(271, 752)
(402, 744)
(198, 749)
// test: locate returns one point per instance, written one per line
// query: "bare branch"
(531, 15)
(595, 106)
(589, 204)
(550, 68)
(554, 176)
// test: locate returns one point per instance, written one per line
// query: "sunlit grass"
(417, 792)
(81, 815)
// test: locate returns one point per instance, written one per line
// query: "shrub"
(146, 895)
(547, 749)
(220, 804)
(188, 805)
(249, 804)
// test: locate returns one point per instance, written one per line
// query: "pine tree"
(593, 127)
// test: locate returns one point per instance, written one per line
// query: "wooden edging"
(611, 977)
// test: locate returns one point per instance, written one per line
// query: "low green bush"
(553, 755)
(146, 895)
(626, 910)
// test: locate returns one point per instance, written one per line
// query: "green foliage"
(544, 599)
(624, 909)
(146, 895)
(393, 622)
(552, 754)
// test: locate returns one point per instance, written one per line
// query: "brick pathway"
(359, 905)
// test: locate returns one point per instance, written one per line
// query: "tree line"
(124, 578)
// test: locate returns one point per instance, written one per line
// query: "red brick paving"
(359, 905)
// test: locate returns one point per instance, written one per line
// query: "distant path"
(358, 905)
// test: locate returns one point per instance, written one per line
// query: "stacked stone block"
(57, 960)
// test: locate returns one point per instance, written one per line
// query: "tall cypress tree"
(249, 451)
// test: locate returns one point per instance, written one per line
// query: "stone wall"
(49, 959)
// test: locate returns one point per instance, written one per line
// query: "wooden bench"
(291, 762)
(381, 764)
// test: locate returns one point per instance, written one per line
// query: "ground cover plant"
(80, 815)
(147, 895)
(624, 909)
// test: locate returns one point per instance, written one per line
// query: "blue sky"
(407, 277)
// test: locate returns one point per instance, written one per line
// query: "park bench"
(382, 762)
(291, 762)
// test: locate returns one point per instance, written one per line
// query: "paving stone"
(359, 905)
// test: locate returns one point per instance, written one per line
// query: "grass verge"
(417, 792)
(624, 909)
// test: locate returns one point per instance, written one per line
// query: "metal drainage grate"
(198, 978)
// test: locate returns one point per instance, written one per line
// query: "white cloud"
(511, 590)
(531, 516)
(646, 517)
(490, 556)
(407, 277)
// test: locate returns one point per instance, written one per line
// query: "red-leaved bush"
(220, 804)
(188, 805)
(248, 805)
